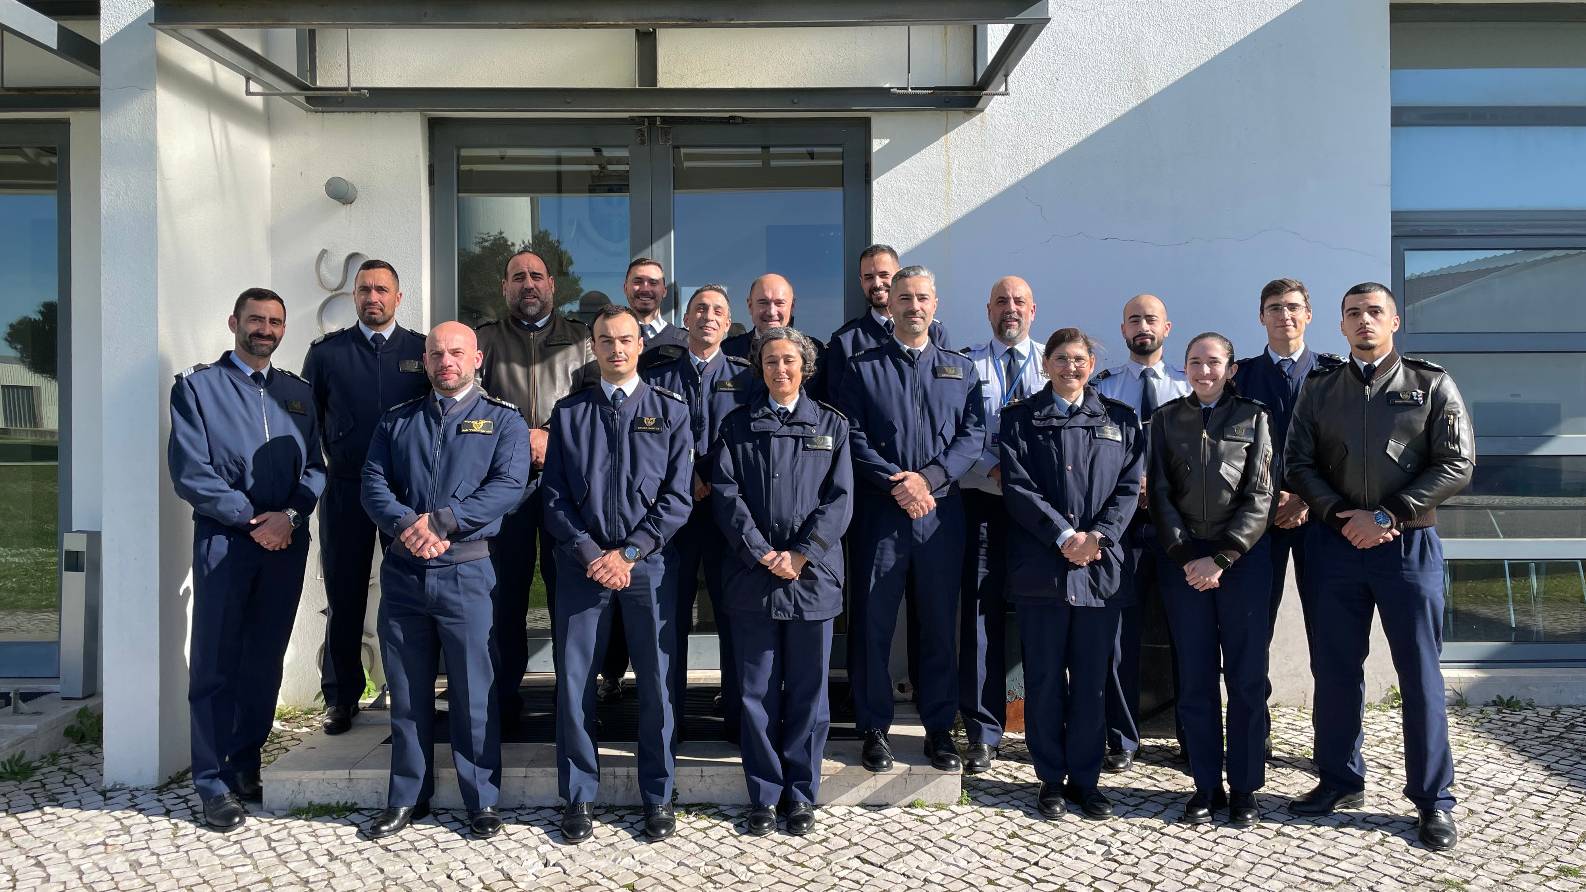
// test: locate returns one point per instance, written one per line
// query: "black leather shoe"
(800, 818)
(659, 822)
(1092, 802)
(1242, 809)
(578, 821)
(877, 752)
(249, 787)
(1049, 802)
(1324, 800)
(1437, 829)
(942, 751)
(395, 820)
(485, 822)
(1199, 808)
(610, 690)
(224, 813)
(1117, 761)
(338, 720)
(977, 758)
(761, 820)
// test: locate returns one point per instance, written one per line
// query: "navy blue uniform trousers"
(786, 715)
(1283, 543)
(244, 601)
(982, 633)
(346, 549)
(583, 622)
(1067, 650)
(894, 555)
(427, 612)
(699, 544)
(512, 553)
(1222, 632)
(1403, 581)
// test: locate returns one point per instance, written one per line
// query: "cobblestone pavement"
(1522, 815)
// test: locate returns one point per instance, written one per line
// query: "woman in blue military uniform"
(1071, 466)
(1210, 490)
(782, 490)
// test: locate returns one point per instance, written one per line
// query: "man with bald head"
(443, 469)
(1009, 371)
(771, 306)
(1145, 382)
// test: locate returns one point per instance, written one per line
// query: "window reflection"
(1495, 290)
(1515, 600)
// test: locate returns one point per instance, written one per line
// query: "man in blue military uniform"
(714, 384)
(771, 300)
(916, 428)
(1143, 383)
(617, 489)
(1374, 447)
(357, 373)
(1273, 379)
(244, 452)
(442, 471)
(1009, 371)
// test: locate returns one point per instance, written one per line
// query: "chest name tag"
(1242, 432)
(947, 371)
(648, 424)
(1110, 432)
(296, 407)
(410, 365)
(726, 385)
(821, 443)
(1407, 398)
(477, 426)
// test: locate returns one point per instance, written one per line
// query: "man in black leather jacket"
(1374, 447)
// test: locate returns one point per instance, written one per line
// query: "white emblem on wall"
(336, 310)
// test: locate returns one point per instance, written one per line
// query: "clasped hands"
(421, 542)
(272, 530)
(785, 564)
(1360, 528)
(1081, 549)
(912, 494)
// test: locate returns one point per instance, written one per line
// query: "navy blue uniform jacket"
(783, 487)
(924, 416)
(354, 386)
(238, 450)
(724, 385)
(1260, 379)
(1079, 472)
(465, 471)
(858, 335)
(617, 478)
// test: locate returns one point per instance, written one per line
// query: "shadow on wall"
(1268, 159)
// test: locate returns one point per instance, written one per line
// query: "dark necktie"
(914, 353)
(1206, 416)
(446, 405)
(377, 340)
(1286, 366)
(1147, 394)
(258, 379)
(889, 327)
(783, 414)
(1014, 378)
(650, 331)
(617, 398)
(1368, 371)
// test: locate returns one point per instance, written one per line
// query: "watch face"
(631, 553)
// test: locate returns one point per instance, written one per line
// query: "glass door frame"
(29, 659)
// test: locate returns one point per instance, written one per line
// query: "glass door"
(33, 280)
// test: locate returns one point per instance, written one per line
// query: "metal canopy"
(202, 25)
(49, 35)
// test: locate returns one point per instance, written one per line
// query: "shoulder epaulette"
(667, 393)
(293, 375)
(1109, 401)
(1423, 363)
(838, 412)
(487, 323)
(1319, 368)
(881, 348)
(1330, 359)
(964, 351)
(327, 336)
(497, 401)
(738, 360)
(1102, 375)
(405, 403)
(196, 367)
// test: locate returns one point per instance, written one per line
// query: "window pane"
(1521, 394)
(1499, 168)
(1515, 600)
(1489, 86)
(569, 204)
(1519, 497)
(1495, 290)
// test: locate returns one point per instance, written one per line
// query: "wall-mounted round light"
(340, 190)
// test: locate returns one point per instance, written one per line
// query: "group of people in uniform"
(881, 475)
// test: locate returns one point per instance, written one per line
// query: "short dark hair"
(879, 248)
(256, 294)
(644, 261)
(704, 289)
(1215, 336)
(612, 311)
(1369, 288)
(380, 264)
(507, 264)
(1280, 287)
(1065, 336)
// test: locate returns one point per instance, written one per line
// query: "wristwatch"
(1222, 561)
(630, 553)
(1383, 519)
(292, 518)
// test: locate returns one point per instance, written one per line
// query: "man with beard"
(532, 359)
(771, 306)
(645, 287)
(244, 452)
(1009, 371)
(1143, 383)
(443, 470)
(357, 373)
(877, 265)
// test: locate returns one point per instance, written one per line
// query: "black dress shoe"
(877, 752)
(1437, 829)
(977, 758)
(1049, 802)
(610, 690)
(942, 751)
(249, 787)
(1324, 800)
(338, 719)
(761, 820)
(1242, 809)
(1117, 761)
(800, 818)
(485, 822)
(395, 820)
(1199, 808)
(224, 813)
(1092, 802)
(578, 821)
(659, 822)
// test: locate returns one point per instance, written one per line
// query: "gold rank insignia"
(821, 443)
(649, 424)
(296, 407)
(410, 365)
(477, 426)
(1110, 432)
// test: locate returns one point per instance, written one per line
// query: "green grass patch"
(1393, 699)
(1511, 704)
(179, 779)
(324, 810)
(17, 768)
(1569, 870)
(1452, 884)
(87, 729)
(964, 798)
(30, 502)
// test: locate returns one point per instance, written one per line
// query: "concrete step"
(354, 767)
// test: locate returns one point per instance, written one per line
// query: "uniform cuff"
(1231, 548)
(813, 548)
(1181, 553)
(1399, 508)
(643, 542)
(586, 550)
(405, 521)
(935, 476)
(443, 522)
(1064, 536)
